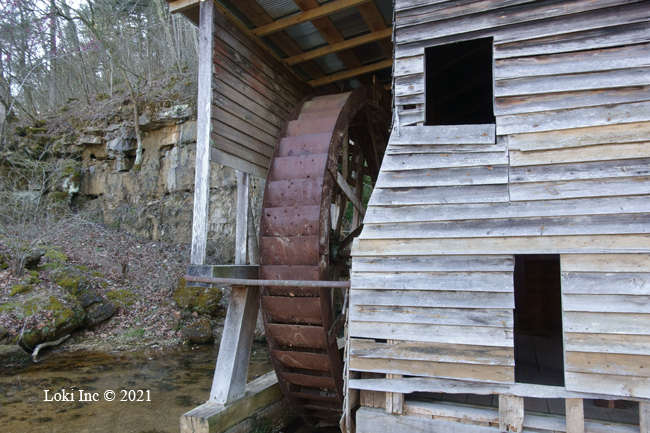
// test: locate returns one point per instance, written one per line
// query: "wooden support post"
(511, 413)
(235, 350)
(575, 415)
(644, 417)
(203, 130)
(394, 400)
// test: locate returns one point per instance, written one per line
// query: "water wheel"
(325, 151)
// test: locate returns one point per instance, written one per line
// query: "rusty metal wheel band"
(295, 241)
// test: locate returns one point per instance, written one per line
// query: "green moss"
(96, 274)
(199, 299)
(82, 268)
(51, 266)
(59, 197)
(19, 289)
(66, 319)
(4, 266)
(70, 280)
(121, 298)
(8, 307)
(54, 254)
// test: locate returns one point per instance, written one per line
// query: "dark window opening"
(459, 89)
(539, 355)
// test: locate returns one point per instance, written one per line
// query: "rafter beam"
(375, 21)
(182, 5)
(352, 73)
(309, 15)
(335, 48)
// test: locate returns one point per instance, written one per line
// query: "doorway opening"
(539, 356)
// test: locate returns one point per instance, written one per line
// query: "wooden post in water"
(229, 381)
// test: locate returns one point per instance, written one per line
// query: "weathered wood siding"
(606, 302)
(252, 95)
(565, 170)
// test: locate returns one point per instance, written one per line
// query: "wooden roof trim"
(309, 15)
(350, 43)
(352, 73)
(182, 5)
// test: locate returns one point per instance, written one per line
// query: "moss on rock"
(121, 298)
(65, 319)
(203, 300)
(71, 280)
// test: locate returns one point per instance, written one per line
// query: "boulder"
(88, 296)
(71, 280)
(19, 289)
(68, 315)
(98, 312)
(13, 355)
(33, 258)
(199, 332)
(203, 300)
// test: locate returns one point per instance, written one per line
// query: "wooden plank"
(605, 152)
(416, 384)
(606, 303)
(384, 64)
(394, 400)
(498, 318)
(438, 299)
(624, 386)
(590, 39)
(376, 23)
(334, 48)
(644, 417)
(573, 118)
(496, 18)
(605, 263)
(607, 343)
(607, 363)
(604, 283)
(433, 333)
(237, 149)
(258, 394)
(631, 56)
(442, 263)
(553, 26)
(409, 66)
(182, 5)
(572, 82)
(579, 188)
(568, 100)
(545, 226)
(460, 281)
(609, 323)
(585, 170)
(410, 117)
(263, 109)
(447, 134)
(372, 420)
(406, 85)
(236, 162)
(511, 413)
(578, 137)
(203, 130)
(575, 415)
(520, 209)
(313, 14)
(257, 120)
(403, 149)
(509, 245)
(442, 160)
(448, 10)
(241, 228)
(454, 370)
(440, 195)
(432, 352)
(260, 138)
(484, 175)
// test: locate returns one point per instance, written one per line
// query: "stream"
(177, 379)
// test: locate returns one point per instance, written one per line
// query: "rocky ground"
(110, 290)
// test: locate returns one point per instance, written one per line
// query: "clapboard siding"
(253, 93)
(605, 303)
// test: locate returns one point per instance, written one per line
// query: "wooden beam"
(575, 415)
(258, 394)
(644, 417)
(182, 5)
(241, 230)
(335, 48)
(203, 131)
(323, 11)
(511, 413)
(375, 21)
(351, 74)
(349, 193)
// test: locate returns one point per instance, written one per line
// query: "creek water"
(177, 380)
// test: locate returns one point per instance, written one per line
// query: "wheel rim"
(328, 137)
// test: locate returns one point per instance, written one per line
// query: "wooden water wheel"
(326, 149)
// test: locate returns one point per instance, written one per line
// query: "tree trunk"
(52, 54)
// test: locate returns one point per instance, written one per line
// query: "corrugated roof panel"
(386, 9)
(330, 64)
(306, 36)
(349, 22)
(278, 8)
